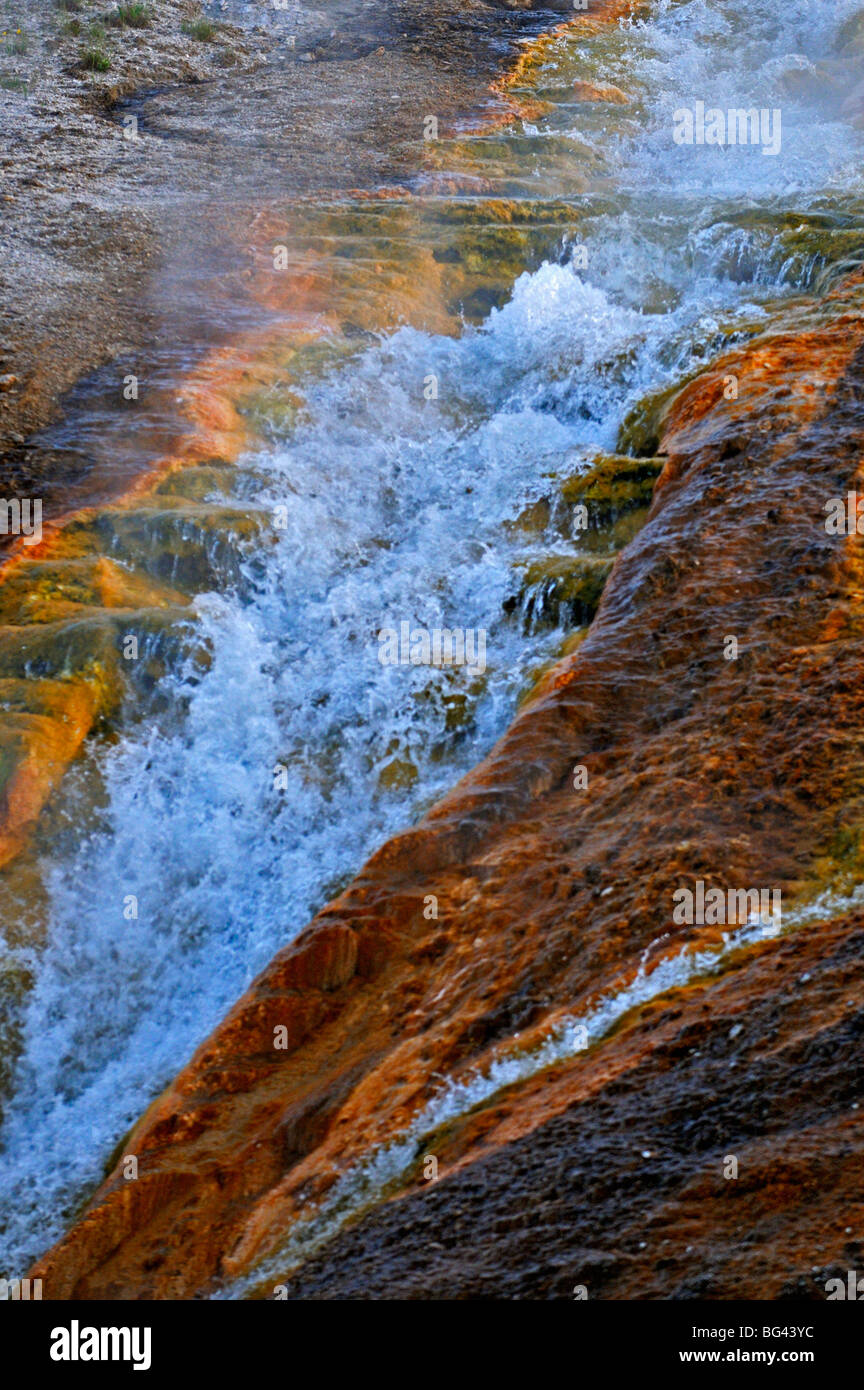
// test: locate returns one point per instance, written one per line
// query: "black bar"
(218, 1339)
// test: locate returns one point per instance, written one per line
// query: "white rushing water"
(394, 510)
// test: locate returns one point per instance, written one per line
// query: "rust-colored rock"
(606, 1170)
(589, 91)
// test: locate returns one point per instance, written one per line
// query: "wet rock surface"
(627, 1190)
(288, 1154)
(128, 193)
(605, 1171)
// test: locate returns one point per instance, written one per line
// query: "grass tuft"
(133, 16)
(201, 29)
(95, 60)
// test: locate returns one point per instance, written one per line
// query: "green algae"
(642, 426)
(818, 256)
(559, 591)
(399, 774)
(58, 650)
(564, 590)
(43, 591)
(476, 247)
(199, 484)
(96, 647)
(191, 547)
(615, 485)
(273, 411)
(613, 488)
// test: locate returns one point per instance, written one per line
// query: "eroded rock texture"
(607, 1169)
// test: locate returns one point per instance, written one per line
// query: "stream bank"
(562, 377)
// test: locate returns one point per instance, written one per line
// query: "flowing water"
(247, 780)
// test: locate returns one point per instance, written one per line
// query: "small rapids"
(244, 792)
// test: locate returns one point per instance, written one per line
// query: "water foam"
(394, 509)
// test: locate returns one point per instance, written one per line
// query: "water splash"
(394, 508)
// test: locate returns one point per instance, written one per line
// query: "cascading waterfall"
(394, 508)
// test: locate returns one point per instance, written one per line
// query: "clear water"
(395, 511)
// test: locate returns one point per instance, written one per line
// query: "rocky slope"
(271, 1166)
(138, 152)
